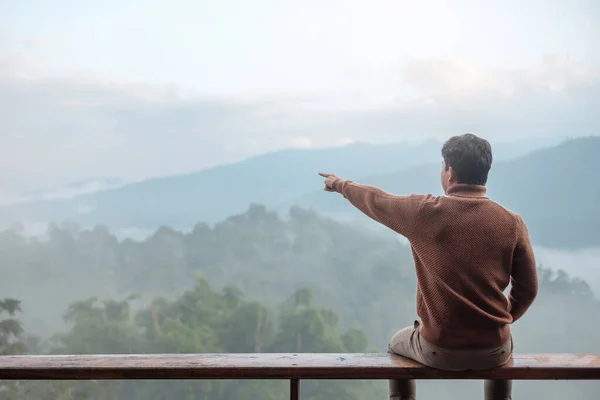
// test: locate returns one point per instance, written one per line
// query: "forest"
(255, 282)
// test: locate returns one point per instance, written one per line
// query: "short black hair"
(470, 157)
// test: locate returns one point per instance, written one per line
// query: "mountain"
(214, 194)
(556, 190)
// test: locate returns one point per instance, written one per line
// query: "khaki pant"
(409, 343)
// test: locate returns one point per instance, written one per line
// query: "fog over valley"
(159, 187)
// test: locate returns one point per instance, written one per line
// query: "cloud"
(459, 83)
(437, 97)
(301, 142)
(71, 190)
(345, 141)
(59, 128)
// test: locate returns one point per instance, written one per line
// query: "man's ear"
(452, 176)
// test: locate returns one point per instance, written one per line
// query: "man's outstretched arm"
(398, 213)
(524, 281)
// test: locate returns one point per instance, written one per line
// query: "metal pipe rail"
(292, 367)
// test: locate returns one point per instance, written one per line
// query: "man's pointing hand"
(330, 178)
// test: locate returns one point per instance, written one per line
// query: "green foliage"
(252, 261)
(12, 341)
(203, 320)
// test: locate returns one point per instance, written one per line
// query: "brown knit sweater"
(467, 249)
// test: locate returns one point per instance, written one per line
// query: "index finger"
(324, 175)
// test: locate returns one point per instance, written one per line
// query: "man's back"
(464, 246)
(467, 249)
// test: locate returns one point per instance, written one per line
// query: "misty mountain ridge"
(556, 190)
(214, 194)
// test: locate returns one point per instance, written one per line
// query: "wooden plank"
(284, 366)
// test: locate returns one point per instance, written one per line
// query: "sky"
(132, 89)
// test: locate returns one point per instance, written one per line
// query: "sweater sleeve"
(524, 281)
(398, 213)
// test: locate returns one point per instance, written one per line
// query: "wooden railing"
(293, 367)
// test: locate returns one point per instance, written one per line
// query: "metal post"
(294, 389)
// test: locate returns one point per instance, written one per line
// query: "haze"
(158, 187)
(134, 89)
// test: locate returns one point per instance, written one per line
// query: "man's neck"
(465, 190)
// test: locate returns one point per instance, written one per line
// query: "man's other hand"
(330, 178)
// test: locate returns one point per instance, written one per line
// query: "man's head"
(466, 159)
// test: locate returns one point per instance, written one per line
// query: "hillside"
(213, 194)
(556, 190)
(366, 280)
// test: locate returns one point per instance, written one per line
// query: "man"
(467, 249)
